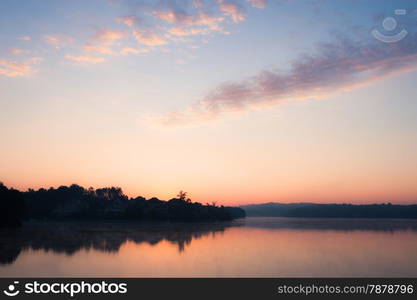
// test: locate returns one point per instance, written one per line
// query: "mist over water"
(251, 247)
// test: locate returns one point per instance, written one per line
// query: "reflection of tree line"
(69, 238)
(332, 224)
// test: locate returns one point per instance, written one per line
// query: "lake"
(251, 247)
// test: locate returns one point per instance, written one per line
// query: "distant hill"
(314, 210)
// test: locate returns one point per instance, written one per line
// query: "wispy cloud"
(103, 41)
(150, 24)
(234, 9)
(108, 37)
(17, 51)
(181, 18)
(128, 20)
(129, 50)
(98, 49)
(24, 38)
(10, 68)
(186, 18)
(58, 40)
(149, 38)
(181, 31)
(334, 68)
(85, 59)
(173, 17)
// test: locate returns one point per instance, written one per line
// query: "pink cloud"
(233, 9)
(103, 41)
(109, 37)
(149, 38)
(127, 20)
(10, 68)
(181, 18)
(211, 21)
(129, 50)
(17, 51)
(98, 49)
(181, 31)
(85, 59)
(174, 17)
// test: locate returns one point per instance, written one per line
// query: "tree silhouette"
(110, 203)
(11, 207)
(183, 196)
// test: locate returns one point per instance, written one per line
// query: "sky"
(234, 101)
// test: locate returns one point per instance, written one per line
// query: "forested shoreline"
(78, 203)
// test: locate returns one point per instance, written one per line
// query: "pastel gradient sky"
(234, 101)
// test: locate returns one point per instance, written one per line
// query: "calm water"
(254, 247)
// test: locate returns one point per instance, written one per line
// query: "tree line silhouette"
(11, 207)
(110, 203)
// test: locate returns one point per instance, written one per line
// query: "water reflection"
(384, 225)
(251, 247)
(69, 238)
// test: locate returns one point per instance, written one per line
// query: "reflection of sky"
(264, 247)
(83, 91)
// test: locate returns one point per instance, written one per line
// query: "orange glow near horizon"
(313, 169)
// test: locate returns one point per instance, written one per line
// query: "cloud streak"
(128, 20)
(172, 20)
(10, 68)
(17, 51)
(103, 41)
(85, 59)
(233, 9)
(149, 38)
(108, 37)
(58, 40)
(148, 26)
(129, 50)
(24, 38)
(180, 18)
(334, 68)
